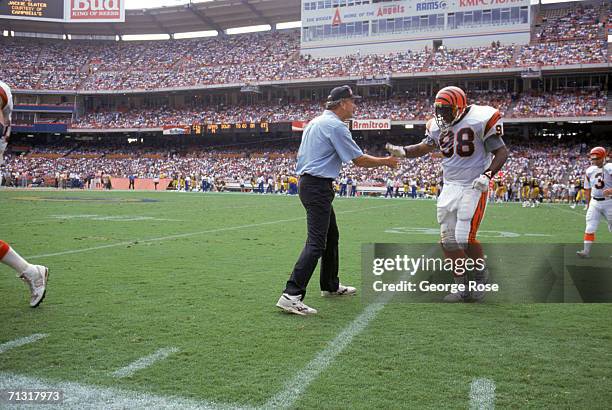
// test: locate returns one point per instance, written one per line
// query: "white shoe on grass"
(294, 304)
(342, 291)
(583, 254)
(36, 278)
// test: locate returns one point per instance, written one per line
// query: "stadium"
(152, 167)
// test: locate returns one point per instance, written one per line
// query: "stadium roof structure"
(216, 15)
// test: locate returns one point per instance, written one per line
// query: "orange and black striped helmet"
(598, 153)
(449, 105)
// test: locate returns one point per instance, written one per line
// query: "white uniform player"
(597, 179)
(6, 105)
(469, 138)
(460, 206)
(35, 276)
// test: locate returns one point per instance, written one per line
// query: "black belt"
(599, 199)
(312, 176)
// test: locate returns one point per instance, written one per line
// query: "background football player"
(35, 276)
(597, 189)
(470, 139)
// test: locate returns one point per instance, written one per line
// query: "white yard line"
(21, 341)
(144, 362)
(482, 394)
(81, 396)
(302, 380)
(189, 234)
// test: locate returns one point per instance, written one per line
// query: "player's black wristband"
(488, 173)
(1, 130)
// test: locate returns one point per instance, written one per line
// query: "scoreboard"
(226, 128)
(239, 127)
(68, 11)
(32, 9)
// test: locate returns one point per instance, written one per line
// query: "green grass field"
(132, 273)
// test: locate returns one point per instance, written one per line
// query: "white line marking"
(81, 396)
(295, 387)
(187, 235)
(144, 362)
(482, 394)
(22, 341)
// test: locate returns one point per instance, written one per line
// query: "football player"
(525, 191)
(470, 140)
(35, 276)
(535, 192)
(580, 194)
(597, 189)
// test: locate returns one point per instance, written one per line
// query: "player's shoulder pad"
(591, 168)
(5, 94)
(488, 115)
(608, 167)
(431, 125)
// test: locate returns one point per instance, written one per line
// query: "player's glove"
(482, 182)
(395, 150)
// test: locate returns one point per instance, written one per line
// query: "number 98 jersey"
(463, 149)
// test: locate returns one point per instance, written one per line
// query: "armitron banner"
(377, 124)
(176, 130)
(88, 11)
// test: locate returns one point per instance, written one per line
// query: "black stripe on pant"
(316, 195)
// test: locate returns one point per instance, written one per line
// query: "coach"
(326, 144)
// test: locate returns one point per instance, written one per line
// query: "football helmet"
(449, 105)
(598, 153)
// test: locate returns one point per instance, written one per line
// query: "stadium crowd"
(80, 166)
(569, 103)
(573, 23)
(238, 59)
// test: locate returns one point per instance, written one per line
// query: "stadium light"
(196, 34)
(137, 37)
(248, 29)
(288, 24)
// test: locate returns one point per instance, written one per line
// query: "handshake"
(481, 183)
(395, 150)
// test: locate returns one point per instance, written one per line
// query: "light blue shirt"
(326, 144)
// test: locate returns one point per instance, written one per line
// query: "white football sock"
(15, 261)
(587, 246)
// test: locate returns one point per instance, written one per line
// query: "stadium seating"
(568, 36)
(560, 163)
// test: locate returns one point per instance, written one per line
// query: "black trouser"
(317, 195)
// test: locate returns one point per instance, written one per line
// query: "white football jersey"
(597, 179)
(6, 102)
(463, 150)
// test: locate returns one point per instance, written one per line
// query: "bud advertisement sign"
(88, 11)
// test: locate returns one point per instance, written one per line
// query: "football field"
(166, 299)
